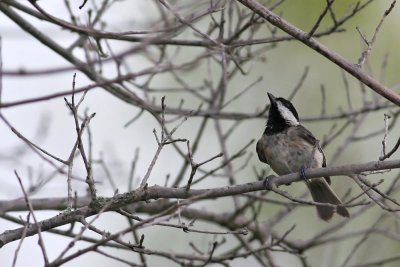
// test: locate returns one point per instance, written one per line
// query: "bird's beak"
(271, 98)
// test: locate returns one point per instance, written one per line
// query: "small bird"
(288, 147)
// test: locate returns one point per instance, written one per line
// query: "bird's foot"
(268, 181)
(303, 173)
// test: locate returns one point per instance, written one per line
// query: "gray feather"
(321, 192)
(260, 151)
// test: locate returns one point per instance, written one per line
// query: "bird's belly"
(285, 156)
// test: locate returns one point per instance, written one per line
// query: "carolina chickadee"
(287, 147)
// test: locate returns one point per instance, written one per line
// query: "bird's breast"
(286, 153)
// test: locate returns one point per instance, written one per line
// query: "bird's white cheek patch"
(287, 115)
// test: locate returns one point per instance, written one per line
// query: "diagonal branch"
(322, 49)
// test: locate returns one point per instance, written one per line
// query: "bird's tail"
(322, 192)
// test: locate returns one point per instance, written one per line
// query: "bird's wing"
(306, 135)
(260, 150)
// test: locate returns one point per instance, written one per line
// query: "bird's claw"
(268, 182)
(303, 173)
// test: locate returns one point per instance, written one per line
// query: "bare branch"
(323, 50)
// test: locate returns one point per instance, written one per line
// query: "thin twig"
(39, 231)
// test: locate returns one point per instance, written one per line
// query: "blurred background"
(278, 67)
